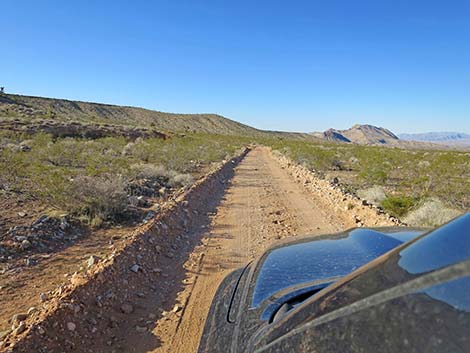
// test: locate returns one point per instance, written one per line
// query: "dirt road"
(227, 223)
(262, 205)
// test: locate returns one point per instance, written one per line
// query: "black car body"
(365, 290)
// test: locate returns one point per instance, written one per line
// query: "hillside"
(63, 110)
(448, 138)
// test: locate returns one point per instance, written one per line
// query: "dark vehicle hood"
(415, 298)
(249, 298)
(323, 259)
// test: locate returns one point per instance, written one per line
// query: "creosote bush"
(398, 206)
(99, 198)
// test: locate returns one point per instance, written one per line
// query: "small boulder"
(135, 268)
(32, 310)
(25, 244)
(17, 318)
(44, 297)
(64, 224)
(30, 262)
(92, 260)
(176, 308)
(20, 329)
(127, 308)
(140, 329)
(150, 215)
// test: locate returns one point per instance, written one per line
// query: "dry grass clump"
(179, 179)
(375, 194)
(431, 213)
(160, 172)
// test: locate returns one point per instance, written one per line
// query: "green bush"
(398, 206)
(374, 176)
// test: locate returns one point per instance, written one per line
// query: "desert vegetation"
(424, 187)
(103, 180)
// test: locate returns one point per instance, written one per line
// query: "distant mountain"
(369, 135)
(331, 135)
(379, 136)
(360, 134)
(448, 138)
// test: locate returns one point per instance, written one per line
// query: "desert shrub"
(398, 205)
(150, 171)
(374, 175)
(423, 164)
(159, 172)
(337, 164)
(102, 197)
(374, 194)
(419, 174)
(178, 179)
(430, 213)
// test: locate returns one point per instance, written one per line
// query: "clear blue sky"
(286, 65)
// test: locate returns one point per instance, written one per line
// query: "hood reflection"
(442, 247)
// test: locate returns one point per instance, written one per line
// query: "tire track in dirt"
(262, 205)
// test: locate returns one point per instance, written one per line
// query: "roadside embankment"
(93, 311)
(352, 210)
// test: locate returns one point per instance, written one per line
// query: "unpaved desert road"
(263, 204)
